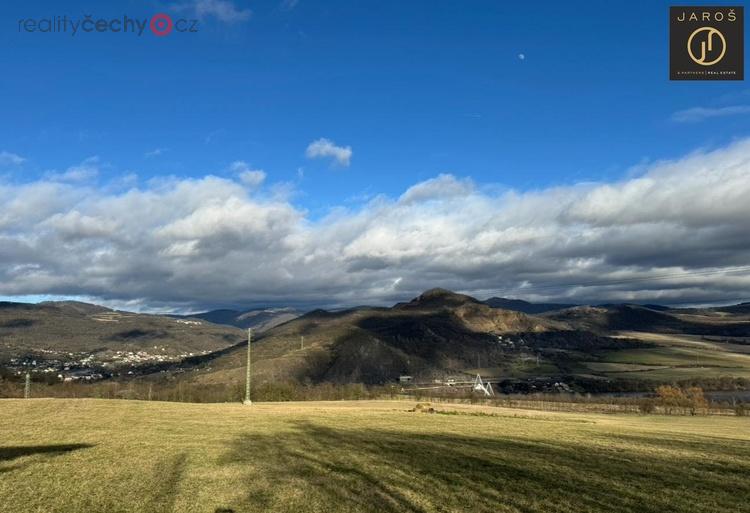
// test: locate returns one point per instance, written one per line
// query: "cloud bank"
(216, 241)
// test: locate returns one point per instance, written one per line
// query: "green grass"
(122, 456)
(667, 374)
(678, 356)
(608, 367)
(671, 362)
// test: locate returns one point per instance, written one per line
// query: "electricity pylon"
(247, 377)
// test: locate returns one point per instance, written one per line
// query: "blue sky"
(415, 88)
(511, 95)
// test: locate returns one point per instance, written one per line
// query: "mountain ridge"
(435, 333)
(520, 305)
(260, 319)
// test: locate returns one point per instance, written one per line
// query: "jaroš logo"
(706, 43)
(709, 38)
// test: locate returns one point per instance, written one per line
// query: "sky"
(293, 152)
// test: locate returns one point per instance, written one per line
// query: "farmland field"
(675, 357)
(128, 456)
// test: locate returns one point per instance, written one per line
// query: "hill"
(434, 335)
(742, 308)
(438, 336)
(76, 307)
(66, 337)
(260, 319)
(363, 457)
(628, 317)
(442, 335)
(519, 305)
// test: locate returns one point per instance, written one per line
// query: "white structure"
(247, 400)
(481, 386)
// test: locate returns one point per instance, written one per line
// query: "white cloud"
(211, 240)
(697, 114)
(86, 170)
(324, 148)
(251, 177)
(443, 186)
(10, 159)
(155, 152)
(223, 10)
(288, 5)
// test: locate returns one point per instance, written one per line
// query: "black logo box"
(729, 22)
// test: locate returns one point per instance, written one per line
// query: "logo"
(708, 38)
(161, 24)
(706, 43)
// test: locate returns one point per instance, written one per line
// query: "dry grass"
(127, 456)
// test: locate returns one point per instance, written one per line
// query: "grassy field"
(677, 357)
(126, 456)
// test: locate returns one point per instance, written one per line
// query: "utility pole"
(247, 378)
(27, 387)
(302, 342)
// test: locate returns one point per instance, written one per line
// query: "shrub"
(646, 405)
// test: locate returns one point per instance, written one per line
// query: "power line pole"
(27, 387)
(247, 377)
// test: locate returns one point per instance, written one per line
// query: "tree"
(695, 400)
(669, 398)
(673, 398)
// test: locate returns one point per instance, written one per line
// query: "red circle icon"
(161, 24)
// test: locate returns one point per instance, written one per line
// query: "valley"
(432, 342)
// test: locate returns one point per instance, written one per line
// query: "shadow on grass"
(167, 477)
(687, 442)
(11, 453)
(317, 468)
